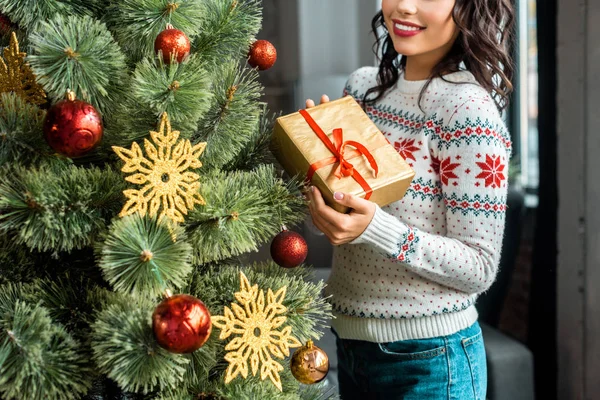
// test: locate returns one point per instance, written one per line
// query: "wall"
(578, 101)
(315, 39)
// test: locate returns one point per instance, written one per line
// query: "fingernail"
(338, 195)
(312, 188)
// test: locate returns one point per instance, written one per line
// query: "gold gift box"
(296, 146)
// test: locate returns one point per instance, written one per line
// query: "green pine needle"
(131, 123)
(180, 89)
(242, 211)
(70, 301)
(28, 13)
(58, 208)
(125, 349)
(233, 114)
(137, 23)
(256, 151)
(230, 27)
(80, 54)
(38, 359)
(139, 256)
(307, 311)
(11, 255)
(20, 131)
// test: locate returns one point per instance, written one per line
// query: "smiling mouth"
(407, 28)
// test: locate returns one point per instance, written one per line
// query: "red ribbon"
(337, 147)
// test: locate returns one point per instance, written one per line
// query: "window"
(525, 111)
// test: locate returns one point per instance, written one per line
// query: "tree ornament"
(6, 24)
(256, 322)
(165, 175)
(172, 41)
(16, 75)
(289, 249)
(309, 364)
(73, 127)
(181, 323)
(262, 55)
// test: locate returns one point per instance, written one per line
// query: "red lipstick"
(403, 32)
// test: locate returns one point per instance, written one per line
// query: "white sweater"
(417, 269)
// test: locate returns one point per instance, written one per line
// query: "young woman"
(406, 276)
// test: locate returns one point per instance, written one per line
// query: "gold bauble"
(309, 364)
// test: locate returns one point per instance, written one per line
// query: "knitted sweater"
(416, 271)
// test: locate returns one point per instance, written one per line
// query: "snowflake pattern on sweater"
(434, 251)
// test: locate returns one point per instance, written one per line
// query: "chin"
(406, 51)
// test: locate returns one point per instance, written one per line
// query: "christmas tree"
(135, 175)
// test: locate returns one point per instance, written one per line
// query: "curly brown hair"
(483, 47)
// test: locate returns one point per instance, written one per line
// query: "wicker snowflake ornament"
(257, 321)
(16, 75)
(164, 173)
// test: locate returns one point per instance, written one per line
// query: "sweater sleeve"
(473, 150)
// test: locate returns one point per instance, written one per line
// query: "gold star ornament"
(16, 75)
(257, 321)
(164, 173)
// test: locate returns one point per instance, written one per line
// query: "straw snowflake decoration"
(257, 322)
(168, 184)
(16, 75)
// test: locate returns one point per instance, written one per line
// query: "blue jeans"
(447, 367)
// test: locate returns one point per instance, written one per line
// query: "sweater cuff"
(384, 233)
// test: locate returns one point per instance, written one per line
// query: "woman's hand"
(310, 103)
(338, 227)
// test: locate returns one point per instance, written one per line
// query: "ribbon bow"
(338, 148)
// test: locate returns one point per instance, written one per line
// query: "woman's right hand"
(310, 103)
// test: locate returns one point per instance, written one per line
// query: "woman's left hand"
(338, 227)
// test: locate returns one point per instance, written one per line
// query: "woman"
(406, 276)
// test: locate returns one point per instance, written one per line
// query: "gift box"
(339, 149)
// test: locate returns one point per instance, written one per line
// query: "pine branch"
(242, 211)
(230, 28)
(319, 391)
(138, 255)
(125, 348)
(71, 300)
(233, 114)
(256, 151)
(180, 89)
(38, 358)
(253, 388)
(20, 131)
(137, 23)
(29, 13)
(58, 208)
(130, 123)
(11, 255)
(80, 54)
(308, 312)
(198, 373)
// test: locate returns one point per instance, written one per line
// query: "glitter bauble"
(262, 55)
(289, 249)
(172, 41)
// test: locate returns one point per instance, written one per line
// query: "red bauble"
(289, 249)
(73, 127)
(172, 41)
(6, 25)
(181, 323)
(262, 55)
